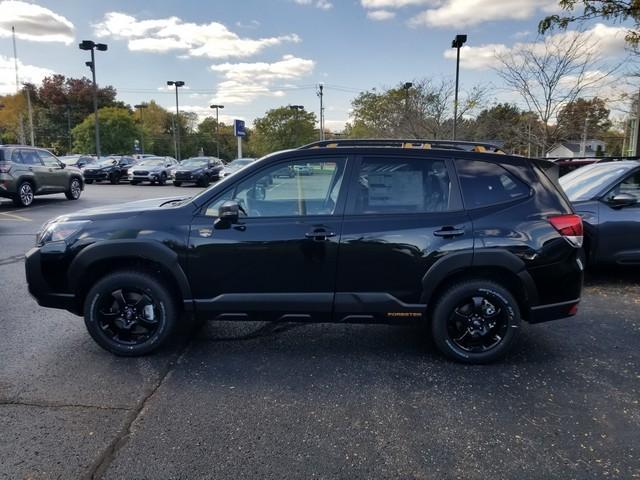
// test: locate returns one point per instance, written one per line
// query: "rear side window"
(401, 185)
(486, 183)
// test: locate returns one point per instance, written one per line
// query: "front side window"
(30, 157)
(630, 186)
(299, 188)
(48, 159)
(409, 185)
(486, 183)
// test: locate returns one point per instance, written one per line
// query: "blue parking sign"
(238, 128)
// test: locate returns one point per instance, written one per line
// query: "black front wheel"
(475, 321)
(130, 313)
(114, 178)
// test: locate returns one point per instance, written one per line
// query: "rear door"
(403, 214)
(41, 174)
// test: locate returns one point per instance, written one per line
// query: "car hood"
(129, 208)
(148, 168)
(188, 169)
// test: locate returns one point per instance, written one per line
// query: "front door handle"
(319, 234)
(448, 232)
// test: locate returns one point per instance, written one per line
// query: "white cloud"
(243, 82)
(378, 4)
(462, 13)
(204, 112)
(321, 4)
(604, 40)
(28, 73)
(381, 15)
(212, 40)
(33, 22)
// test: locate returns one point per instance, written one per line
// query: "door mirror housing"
(622, 200)
(229, 212)
(62, 165)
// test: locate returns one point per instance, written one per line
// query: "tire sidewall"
(19, 196)
(160, 295)
(71, 196)
(452, 299)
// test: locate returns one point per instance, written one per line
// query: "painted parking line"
(13, 216)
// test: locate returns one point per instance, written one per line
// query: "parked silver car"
(153, 169)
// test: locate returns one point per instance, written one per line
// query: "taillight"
(570, 227)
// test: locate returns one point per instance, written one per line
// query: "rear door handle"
(448, 232)
(319, 234)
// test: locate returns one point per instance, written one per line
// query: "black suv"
(199, 170)
(111, 168)
(448, 233)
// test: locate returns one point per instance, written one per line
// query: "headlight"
(56, 231)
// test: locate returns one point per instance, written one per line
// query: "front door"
(619, 228)
(403, 215)
(56, 179)
(279, 260)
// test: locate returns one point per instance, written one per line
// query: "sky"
(254, 55)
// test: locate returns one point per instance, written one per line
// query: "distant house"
(573, 148)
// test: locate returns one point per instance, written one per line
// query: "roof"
(412, 143)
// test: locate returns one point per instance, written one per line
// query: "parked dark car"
(607, 196)
(470, 243)
(153, 170)
(111, 169)
(78, 161)
(199, 170)
(28, 171)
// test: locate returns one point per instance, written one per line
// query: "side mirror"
(228, 212)
(62, 165)
(622, 200)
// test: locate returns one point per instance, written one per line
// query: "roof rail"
(406, 143)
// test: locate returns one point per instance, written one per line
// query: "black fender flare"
(453, 263)
(143, 249)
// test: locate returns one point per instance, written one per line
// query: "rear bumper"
(40, 290)
(553, 311)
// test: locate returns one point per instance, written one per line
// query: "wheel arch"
(101, 258)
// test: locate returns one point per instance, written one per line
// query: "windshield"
(156, 162)
(194, 162)
(587, 182)
(107, 162)
(69, 160)
(239, 163)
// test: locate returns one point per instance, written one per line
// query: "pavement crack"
(10, 260)
(103, 462)
(41, 404)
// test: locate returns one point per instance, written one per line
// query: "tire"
(163, 179)
(75, 189)
(177, 184)
(203, 181)
(114, 178)
(461, 317)
(24, 195)
(143, 334)
(134, 182)
(89, 182)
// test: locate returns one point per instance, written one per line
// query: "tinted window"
(290, 189)
(485, 183)
(402, 185)
(30, 157)
(631, 186)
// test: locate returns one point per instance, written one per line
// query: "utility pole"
(30, 113)
(320, 94)
(15, 65)
(457, 44)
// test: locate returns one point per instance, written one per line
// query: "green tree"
(571, 118)
(507, 124)
(118, 132)
(282, 128)
(579, 11)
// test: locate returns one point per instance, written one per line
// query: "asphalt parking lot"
(314, 401)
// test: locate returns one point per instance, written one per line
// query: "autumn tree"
(583, 115)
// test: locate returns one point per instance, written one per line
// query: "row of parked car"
(158, 170)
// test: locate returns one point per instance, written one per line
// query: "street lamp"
(457, 43)
(406, 87)
(176, 130)
(90, 45)
(141, 107)
(217, 107)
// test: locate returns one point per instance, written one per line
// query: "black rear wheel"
(24, 195)
(130, 313)
(114, 178)
(475, 321)
(177, 184)
(163, 178)
(74, 191)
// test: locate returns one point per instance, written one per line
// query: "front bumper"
(95, 175)
(41, 290)
(151, 177)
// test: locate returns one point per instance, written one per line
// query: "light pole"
(91, 45)
(457, 43)
(27, 89)
(296, 109)
(320, 94)
(176, 130)
(217, 107)
(406, 87)
(141, 107)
